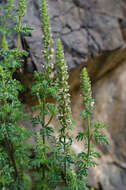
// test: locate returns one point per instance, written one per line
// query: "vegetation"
(50, 161)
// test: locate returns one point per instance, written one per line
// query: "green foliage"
(14, 153)
(97, 134)
(85, 158)
(50, 160)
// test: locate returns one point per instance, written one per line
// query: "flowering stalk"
(63, 103)
(21, 13)
(46, 29)
(88, 103)
(85, 157)
(47, 42)
(7, 15)
(43, 87)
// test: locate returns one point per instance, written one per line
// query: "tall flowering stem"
(63, 103)
(92, 133)
(4, 24)
(47, 42)
(88, 103)
(21, 13)
(43, 87)
(85, 157)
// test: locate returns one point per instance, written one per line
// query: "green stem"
(89, 135)
(19, 33)
(43, 136)
(43, 125)
(43, 119)
(91, 188)
(49, 120)
(3, 43)
(65, 163)
(43, 114)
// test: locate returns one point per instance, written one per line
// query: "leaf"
(99, 137)
(47, 131)
(82, 135)
(36, 120)
(98, 125)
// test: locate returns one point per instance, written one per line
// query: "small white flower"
(92, 104)
(52, 50)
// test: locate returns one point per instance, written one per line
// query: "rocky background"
(93, 33)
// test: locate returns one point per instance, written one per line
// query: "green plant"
(53, 162)
(43, 87)
(85, 159)
(64, 111)
(14, 152)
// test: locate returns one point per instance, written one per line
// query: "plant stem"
(19, 35)
(43, 125)
(3, 43)
(91, 188)
(43, 119)
(43, 136)
(89, 135)
(65, 163)
(49, 120)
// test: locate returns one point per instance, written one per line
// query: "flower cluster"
(46, 29)
(62, 84)
(86, 92)
(4, 24)
(10, 4)
(48, 71)
(22, 8)
(39, 142)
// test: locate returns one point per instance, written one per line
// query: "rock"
(108, 7)
(110, 176)
(110, 108)
(111, 104)
(109, 93)
(84, 32)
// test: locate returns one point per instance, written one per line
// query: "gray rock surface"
(85, 28)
